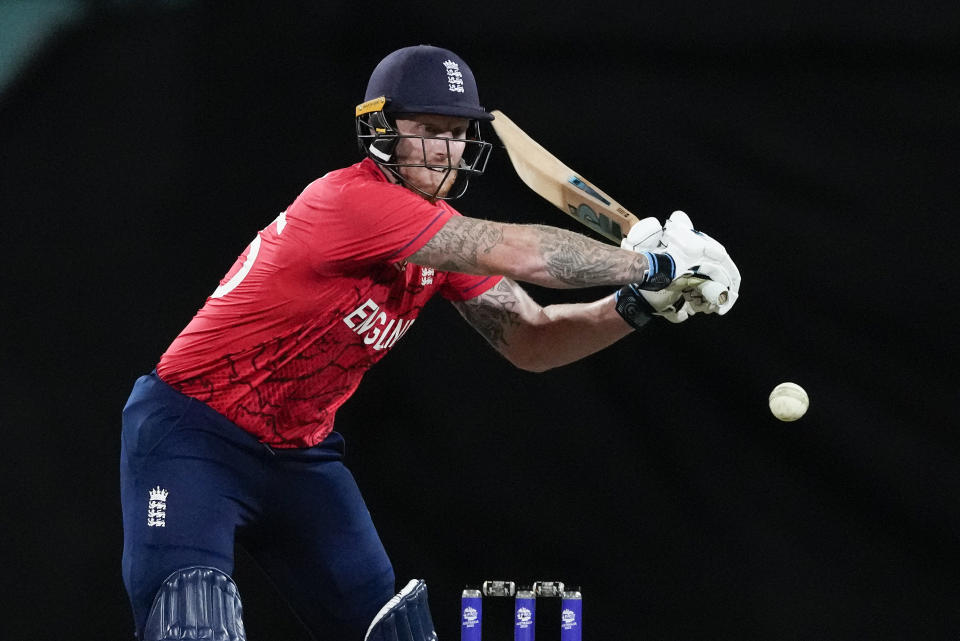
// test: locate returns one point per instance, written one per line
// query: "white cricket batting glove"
(645, 237)
(699, 255)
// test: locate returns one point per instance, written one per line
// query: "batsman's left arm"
(536, 338)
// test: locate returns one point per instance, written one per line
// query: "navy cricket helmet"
(422, 80)
(426, 79)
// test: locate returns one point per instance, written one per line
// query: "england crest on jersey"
(426, 276)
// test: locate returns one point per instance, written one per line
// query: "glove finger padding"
(697, 253)
(643, 236)
(688, 246)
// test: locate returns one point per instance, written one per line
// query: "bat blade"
(567, 190)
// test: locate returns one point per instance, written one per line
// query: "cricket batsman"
(231, 438)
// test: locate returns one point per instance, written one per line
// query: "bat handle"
(713, 292)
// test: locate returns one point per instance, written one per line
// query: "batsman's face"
(442, 147)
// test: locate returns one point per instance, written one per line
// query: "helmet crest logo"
(454, 77)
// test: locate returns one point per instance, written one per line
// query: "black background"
(141, 152)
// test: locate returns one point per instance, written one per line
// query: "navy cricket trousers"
(193, 483)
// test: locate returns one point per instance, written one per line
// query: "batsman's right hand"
(700, 255)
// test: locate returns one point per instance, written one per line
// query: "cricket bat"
(576, 196)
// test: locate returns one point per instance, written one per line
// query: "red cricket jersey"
(320, 295)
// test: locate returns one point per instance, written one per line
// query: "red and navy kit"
(320, 295)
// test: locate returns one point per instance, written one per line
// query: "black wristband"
(633, 307)
(660, 273)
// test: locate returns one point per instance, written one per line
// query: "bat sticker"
(579, 184)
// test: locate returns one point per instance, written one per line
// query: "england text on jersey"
(375, 326)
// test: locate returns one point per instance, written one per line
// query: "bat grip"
(713, 292)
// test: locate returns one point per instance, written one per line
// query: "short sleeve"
(460, 287)
(364, 221)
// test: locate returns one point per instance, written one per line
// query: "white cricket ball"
(788, 401)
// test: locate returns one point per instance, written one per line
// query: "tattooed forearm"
(536, 338)
(578, 261)
(493, 313)
(458, 246)
(538, 254)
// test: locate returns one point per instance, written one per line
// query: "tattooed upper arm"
(499, 312)
(460, 245)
